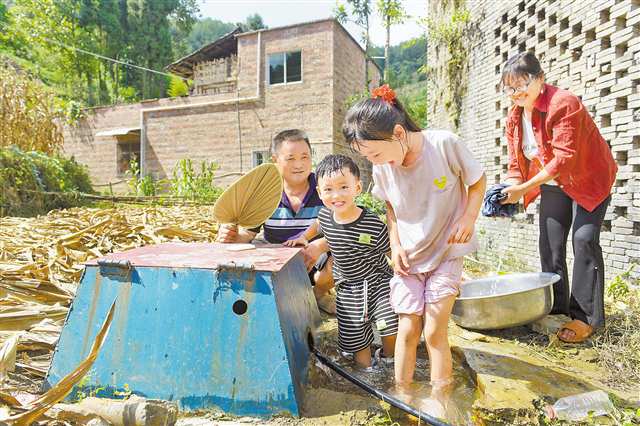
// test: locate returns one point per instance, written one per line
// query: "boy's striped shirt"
(358, 248)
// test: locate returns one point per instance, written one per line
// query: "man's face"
(293, 160)
(339, 190)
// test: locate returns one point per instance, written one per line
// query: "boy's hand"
(462, 230)
(311, 254)
(300, 241)
(400, 261)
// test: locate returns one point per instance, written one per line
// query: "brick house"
(247, 87)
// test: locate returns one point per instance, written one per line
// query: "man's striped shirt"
(286, 224)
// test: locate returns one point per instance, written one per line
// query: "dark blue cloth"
(491, 206)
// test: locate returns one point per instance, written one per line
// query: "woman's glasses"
(510, 91)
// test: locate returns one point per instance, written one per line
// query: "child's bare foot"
(403, 393)
(436, 404)
(433, 407)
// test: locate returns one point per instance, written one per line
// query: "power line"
(97, 55)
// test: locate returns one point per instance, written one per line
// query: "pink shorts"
(409, 294)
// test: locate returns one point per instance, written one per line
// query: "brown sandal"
(581, 331)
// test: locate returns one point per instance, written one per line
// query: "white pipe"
(143, 132)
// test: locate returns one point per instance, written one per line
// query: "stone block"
(549, 324)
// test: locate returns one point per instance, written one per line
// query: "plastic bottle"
(578, 407)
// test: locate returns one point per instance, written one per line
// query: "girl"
(423, 177)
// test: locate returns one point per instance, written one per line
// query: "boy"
(358, 241)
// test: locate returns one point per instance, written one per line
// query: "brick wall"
(349, 80)
(591, 47)
(229, 134)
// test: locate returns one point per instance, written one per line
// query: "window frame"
(131, 145)
(284, 54)
(262, 152)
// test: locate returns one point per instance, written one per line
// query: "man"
(298, 208)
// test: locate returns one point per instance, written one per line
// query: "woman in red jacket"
(556, 150)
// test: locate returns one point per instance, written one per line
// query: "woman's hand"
(300, 241)
(462, 230)
(400, 260)
(514, 193)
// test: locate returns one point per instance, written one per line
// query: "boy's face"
(293, 159)
(339, 190)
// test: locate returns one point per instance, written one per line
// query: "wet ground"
(453, 405)
(500, 378)
(333, 400)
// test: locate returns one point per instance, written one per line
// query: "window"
(285, 67)
(126, 152)
(260, 157)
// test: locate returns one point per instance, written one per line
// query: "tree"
(151, 42)
(204, 32)
(177, 87)
(3, 14)
(65, 42)
(253, 22)
(4, 23)
(360, 12)
(392, 13)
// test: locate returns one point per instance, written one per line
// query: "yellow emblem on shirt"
(440, 182)
(364, 239)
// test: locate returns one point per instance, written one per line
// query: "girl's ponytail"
(375, 118)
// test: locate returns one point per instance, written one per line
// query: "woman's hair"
(524, 64)
(374, 119)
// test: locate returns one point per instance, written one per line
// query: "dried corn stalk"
(29, 117)
(41, 262)
(64, 386)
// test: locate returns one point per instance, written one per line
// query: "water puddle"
(454, 405)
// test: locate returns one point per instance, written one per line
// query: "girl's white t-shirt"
(428, 198)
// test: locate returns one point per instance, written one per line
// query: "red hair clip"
(385, 93)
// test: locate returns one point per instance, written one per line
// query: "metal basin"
(504, 301)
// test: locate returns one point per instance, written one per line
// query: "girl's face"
(523, 91)
(389, 151)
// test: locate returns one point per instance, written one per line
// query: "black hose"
(430, 420)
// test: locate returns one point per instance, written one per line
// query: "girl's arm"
(398, 255)
(463, 230)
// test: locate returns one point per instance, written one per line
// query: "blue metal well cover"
(207, 325)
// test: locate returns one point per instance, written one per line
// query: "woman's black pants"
(559, 214)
